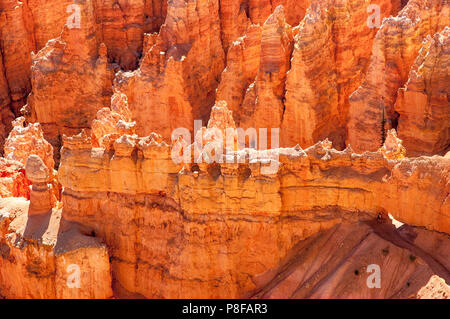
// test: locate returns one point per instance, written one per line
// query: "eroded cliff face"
(236, 16)
(179, 72)
(123, 25)
(327, 65)
(37, 253)
(79, 61)
(208, 230)
(43, 256)
(395, 48)
(145, 210)
(27, 26)
(423, 105)
(302, 77)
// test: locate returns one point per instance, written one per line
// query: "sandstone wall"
(208, 230)
(395, 48)
(423, 105)
(38, 254)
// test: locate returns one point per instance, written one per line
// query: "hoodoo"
(224, 149)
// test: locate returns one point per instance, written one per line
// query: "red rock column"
(41, 196)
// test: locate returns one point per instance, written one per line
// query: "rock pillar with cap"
(41, 196)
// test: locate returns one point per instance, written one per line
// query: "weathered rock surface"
(27, 26)
(179, 72)
(436, 288)
(395, 49)
(17, 42)
(337, 263)
(150, 211)
(423, 104)
(13, 182)
(243, 60)
(262, 106)
(112, 122)
(392, 148)
(79, 61)
(42, 198)
(26, 140)
(42, 256)
(6, 114)
(309, 101)
(327, 65)
(207, 230)
(237, 15)
(253, 82)
(123, 25)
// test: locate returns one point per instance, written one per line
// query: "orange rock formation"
(67, 109)
(392, 148)
(13, 182)
(42, 256)
(26, 140)
(110, 187)
(199, 210)
(172, 88)
(423, 105)
(395, 48)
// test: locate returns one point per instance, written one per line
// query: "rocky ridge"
(94, 176)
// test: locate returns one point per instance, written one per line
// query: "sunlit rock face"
(331, 56)
(422, 104)
(392, 148)
(42, 199)
(71, 80)
(13, 182)
(299, 76)
(45, 257)
(180, 69)
(396, 46)
(24, 140)
(201, 209)
(130, 168)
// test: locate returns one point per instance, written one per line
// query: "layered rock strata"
(43, 256)
(41, 195)
(341, 263)
(208, 230)
(327, 65)
(79, 61)
(204, 216)
(179, 72)
(395, 49)
(423, 104)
